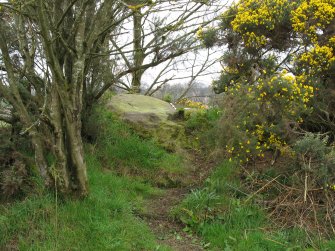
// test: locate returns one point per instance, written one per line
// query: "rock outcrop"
(150, 117)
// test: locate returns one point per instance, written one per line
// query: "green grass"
(103, 221)
(122, 150)
(106, 219)
(219, 214)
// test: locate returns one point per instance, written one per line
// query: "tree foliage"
(277, 73)
(267, 37)
(264, 31)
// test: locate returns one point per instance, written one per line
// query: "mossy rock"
(149, 117)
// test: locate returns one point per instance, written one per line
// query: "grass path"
(167, 230)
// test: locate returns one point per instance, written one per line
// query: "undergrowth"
(199, 126)
(103, 221)
(223, 213)
(106, 219)
(123, 151)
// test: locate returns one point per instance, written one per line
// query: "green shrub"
(198, 126)
(259, 117)
(202, 120)
(315, 157)
(167, 98)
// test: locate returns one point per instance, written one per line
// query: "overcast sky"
(182, 70)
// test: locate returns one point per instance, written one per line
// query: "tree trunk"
(70, 168)
(40, 158)
(138, 52)
(66, 106)
(62, 175)
(76, 153)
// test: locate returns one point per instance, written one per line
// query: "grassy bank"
(103, 221)
(121, 170)
(124, 171)
(124, 152)
(222, 213)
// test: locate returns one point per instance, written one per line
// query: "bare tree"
(197, 69)
(49, 47)
(160, 34)
(58, 57)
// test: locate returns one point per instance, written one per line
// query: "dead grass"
(291, 198)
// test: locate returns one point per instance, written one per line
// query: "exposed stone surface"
(149, 117)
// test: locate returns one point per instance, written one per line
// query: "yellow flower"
(200, 33)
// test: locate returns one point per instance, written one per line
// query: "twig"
(306, 187)
(306, 179)
(275, 241)
(328, 214)
(261, 189)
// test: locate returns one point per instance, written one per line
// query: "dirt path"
(168, 231)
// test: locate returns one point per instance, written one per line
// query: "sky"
(182, 70)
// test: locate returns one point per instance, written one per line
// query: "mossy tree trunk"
(64, 35)
(138, 53)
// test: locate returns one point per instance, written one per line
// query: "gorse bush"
(294, 35)
(253, 20)
(192, 104)
(260, 117)
(317, 159)
(278, 80)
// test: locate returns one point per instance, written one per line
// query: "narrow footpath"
(170, 232)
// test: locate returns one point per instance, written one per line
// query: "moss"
(149, 117)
